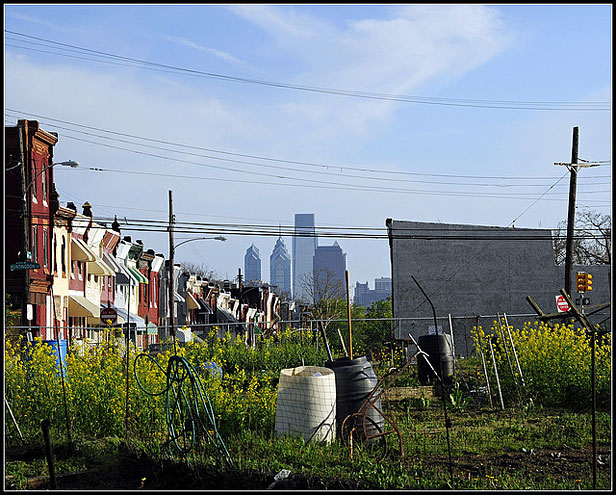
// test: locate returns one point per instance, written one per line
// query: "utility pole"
(573, 168)
(571, 214)
(171, 268)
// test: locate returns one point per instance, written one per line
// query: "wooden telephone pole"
(573, 168)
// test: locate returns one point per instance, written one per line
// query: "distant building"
(280, 267)
(364, 296)
(304, 247)
(329, 267)
(252, 264)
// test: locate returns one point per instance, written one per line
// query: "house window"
(54, 253)
(44, 183)
(63, 256)
(79, 270)
(34, 243)
(45, 248)
(34, 179)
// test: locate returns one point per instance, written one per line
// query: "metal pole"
(571, 211)
(171, 270)
(485, 372)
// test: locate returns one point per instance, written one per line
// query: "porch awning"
(191, 302)
(135, 320)
(205, 307)
(80, 250)
(80, 306)
(138, 275)
(152, 329)
(99, 267)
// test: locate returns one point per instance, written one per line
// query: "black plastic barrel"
(355, 380)
(432, 344)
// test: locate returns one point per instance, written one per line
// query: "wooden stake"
(346, 273)
(500, 393)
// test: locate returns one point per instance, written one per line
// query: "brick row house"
(84, 266)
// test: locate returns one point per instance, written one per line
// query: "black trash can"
(355, 380)
(432, 344)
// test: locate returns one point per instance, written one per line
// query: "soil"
(131, 472)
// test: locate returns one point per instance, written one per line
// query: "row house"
(64, 267)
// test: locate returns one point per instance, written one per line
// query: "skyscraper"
(329, 267)
(280, 267)
(304, 247)
(252, 264)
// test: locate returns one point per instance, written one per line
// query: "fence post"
(49, 454)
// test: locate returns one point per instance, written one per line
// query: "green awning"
(138, 275)
(152, 329)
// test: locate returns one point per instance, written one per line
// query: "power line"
(258, 157)
(494, 104)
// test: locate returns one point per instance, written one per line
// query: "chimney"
(115, 225)
(127, 238)
(71, 206)
(87, 211)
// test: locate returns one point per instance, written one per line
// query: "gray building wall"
(474, 273)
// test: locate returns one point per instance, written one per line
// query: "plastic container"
(53, 344)
(355, 380)
(432, 344)
(306, 403)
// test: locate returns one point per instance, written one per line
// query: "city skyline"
(356, 113)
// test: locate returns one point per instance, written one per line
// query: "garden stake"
(342, 342)
(14, 420)
(515, 354)
(500, 393)
(349, 314)
(48, 453)
(485, 372)
(68, 423)
(502, 334)
(329, 353)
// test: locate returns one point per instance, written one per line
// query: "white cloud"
(212, 51)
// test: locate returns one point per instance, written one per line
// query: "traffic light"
(583, 282)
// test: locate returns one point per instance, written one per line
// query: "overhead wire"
(474, 103)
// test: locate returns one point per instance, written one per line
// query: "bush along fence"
(543, 364)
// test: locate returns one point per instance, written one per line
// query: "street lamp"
(217, 238)
(68, 163)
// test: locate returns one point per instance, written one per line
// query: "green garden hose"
(185, 399)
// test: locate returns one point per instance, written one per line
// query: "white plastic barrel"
(306, 403)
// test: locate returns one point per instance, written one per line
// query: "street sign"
(24, 265)
(562, 304)
(109, 316)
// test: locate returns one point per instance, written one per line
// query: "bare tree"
(592, 242)
(325, 294)
(201, 269)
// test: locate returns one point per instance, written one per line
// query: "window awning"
(138, 275)
(80, 250)
(191, 302)
(80, 306)
(99, 267)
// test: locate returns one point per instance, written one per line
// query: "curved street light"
(67, 163)
(217, 238)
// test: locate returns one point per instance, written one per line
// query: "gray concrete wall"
(475, 271)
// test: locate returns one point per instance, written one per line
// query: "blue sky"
(465, 61)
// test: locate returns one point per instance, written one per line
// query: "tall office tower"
(280, 267)
(329, 267)
(304, 246)
(252, 264)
